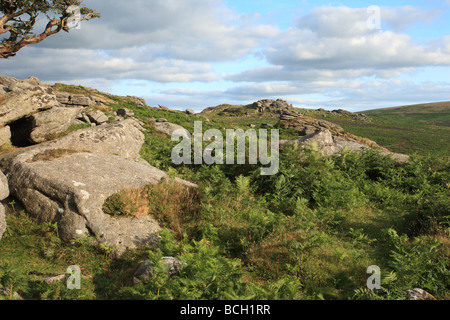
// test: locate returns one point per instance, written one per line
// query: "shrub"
(169, 202)
(205, 275)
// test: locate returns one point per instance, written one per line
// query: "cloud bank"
(328, 56)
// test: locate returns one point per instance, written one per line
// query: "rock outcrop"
(276, 106)
(68, 99)
(122, 138)
(94, 116)
(329, 138)
(324, 141)
(54, 121)
(31, 112)
(57, 182)
(169, 128)
(24, 103)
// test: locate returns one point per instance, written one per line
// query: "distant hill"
(435, 107)
(437, 114)
(423, 129)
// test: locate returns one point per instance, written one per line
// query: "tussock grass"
(52, 154)
(170, 203)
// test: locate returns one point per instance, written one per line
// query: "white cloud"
(339, 38)
(72, 64)
(192, 30)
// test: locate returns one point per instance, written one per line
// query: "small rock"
(190, 112)
(7, 292)
(161, 120)
(97, 117)
(169, 128)
(85, 118)
(125, 112)
(418, 294)
(145, 270)
(80, 100)
(138, 101)
(62, 97)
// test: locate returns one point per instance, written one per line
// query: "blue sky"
(201, 53)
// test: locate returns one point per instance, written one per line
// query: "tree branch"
(21, 30)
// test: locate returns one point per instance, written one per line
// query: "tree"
(18, 19)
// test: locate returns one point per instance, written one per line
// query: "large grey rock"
(322, 139)
(328, 144)
(20, 104)
(5, 135)
(170, 128)
(74, 99)
(330, 126)
(13, 84)
(79, 100)
(8, 82)
(62, 97)
(324, 142)
(97, 117)
(71, 191)
(122, 138)
(145, 271)
(51, 122)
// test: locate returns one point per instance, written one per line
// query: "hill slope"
(423, 129)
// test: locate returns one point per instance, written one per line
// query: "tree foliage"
(19, 19)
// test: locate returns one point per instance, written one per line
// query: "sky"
(352, 55)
